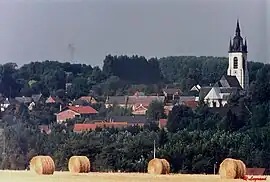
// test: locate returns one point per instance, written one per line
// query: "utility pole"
(215, 166)
(154, 149)
(4, 149)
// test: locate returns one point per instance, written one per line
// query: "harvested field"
(27, 176)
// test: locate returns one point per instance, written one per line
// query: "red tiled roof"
(83, 109)
(83, 127)
(163, 122)
(139, 107)
(191, 103)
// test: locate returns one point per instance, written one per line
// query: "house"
(139, 109)
(111, 124)
(121, 101)
(171, 94)
(24, 100)
(71, 112)
(130, 120)
(138, 104)
(196, 88)
(88, 99)
(37, 97)
(53, 100)
(78, 128)
(4, 104)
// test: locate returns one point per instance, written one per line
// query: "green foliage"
(192, 142)
(155, 111)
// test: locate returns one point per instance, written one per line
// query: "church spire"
(238, 43)
(237, 30)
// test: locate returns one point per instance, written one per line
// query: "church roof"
(228, 81)
(204, 91)
(214, 94)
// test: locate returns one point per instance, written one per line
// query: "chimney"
(60, 107)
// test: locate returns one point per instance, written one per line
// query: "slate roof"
(228, 89)
(204, 91)
(186, 98)
(36, 97)
(145, 100)
(25, 100)
(229, 81)
(117, 100)
(172, 91)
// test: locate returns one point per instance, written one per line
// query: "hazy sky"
(36, 30)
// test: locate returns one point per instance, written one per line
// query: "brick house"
(138, 104)
(71, 112)
(171, 94)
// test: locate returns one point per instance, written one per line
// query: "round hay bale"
(241, 172)
(232, 169)
(166, 166)
(155, 166)
(42, 165)
(79, 164)
(228, 169)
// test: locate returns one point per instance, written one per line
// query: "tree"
(179, 118)
(155, 111)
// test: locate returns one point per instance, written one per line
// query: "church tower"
(238, 59)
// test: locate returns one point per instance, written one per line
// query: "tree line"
(193, 141)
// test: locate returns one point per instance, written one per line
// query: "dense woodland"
(193, 142)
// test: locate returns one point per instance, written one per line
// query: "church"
(236, 80)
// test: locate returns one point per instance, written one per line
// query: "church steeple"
(238, 58)
(237, 30)
(238, 44)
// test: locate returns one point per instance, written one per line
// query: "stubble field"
(27, 176)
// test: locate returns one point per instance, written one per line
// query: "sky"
(38, 30)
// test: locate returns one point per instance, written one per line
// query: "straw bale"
(155, 166)
(79, 164)
(42, 165)
(166, 166)
(241, 172)
(232, 169)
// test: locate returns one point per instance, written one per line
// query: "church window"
(235, 63)
(244, 63)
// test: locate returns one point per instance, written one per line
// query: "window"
(235, 63)
(244, 63)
